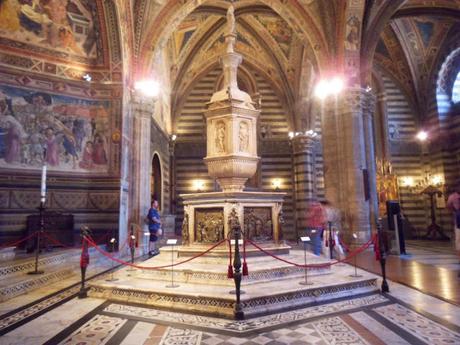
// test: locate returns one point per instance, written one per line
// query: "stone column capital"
(352, 100)
(143, 107)
(303, 143)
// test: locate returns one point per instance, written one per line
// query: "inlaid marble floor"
(404, 316)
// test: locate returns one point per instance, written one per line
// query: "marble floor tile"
(418, 325)
(48, 325)
(139, 334)
(420, 301)
(96, 331)
(384, 334)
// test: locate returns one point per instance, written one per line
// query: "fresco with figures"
(74, 133)
(60, 28)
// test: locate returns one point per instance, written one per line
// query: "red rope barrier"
(356, 252)
(13, 244)
(151, 268)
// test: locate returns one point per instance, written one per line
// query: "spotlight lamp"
(198, 185)
(311, 133)
(329, 87)
(148, 87)
(422, 136)
(87, 77)
(276, 183)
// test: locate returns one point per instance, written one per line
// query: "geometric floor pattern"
(368, 319)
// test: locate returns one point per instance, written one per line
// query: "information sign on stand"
(172, 242)
(305, 240)
(355, 275)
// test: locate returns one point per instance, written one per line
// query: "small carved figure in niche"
(185, 234)
(393, 131)
(265, 131)
(244, 136)
(352, 34)
(220, 137)
(281, 223)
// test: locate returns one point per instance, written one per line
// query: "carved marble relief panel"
(258, 223)
(209, 225)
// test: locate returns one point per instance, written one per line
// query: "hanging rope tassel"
(230, 268)
(245, 265)
(84, 257)
(375, 241)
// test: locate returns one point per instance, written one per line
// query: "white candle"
(43, 185)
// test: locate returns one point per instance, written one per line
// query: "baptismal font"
(231, 124)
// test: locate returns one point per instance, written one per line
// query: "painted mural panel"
(60, 28)
(74, 132)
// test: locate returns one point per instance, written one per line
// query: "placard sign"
(171, 241)
(305, 239)
(240, 242)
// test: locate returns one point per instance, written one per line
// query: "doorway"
(156, 180)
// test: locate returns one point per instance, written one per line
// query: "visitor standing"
(315, 225)
(453, 204)
(333, 220)
(154, 222)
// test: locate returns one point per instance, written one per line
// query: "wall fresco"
(74, 132)
(69, 27)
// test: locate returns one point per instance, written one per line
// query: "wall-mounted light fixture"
(198, 185)
(422, 136)
(276, 184)
(328, 87)
(87, 77)
(173, 137)
(148, 87)
(407, 181)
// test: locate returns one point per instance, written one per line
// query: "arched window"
(456, 89)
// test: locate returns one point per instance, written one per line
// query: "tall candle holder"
(41, 210)
(430, 185)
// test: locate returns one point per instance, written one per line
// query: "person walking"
(154, 222)
(315, 225)
(453, 204)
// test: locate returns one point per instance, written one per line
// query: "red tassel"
(245, 269)
(230, 272)
(376, 247)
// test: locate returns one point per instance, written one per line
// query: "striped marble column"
(141, 164)
(304, 150)
(345, 160)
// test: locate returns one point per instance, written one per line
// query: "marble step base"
(56, 266)
(7, 253)
(213, 270)
(27, 283)
(257, 299)
(223, 250)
